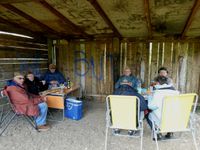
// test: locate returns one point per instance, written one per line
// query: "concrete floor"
(86, 134)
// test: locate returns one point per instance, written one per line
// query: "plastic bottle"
(68, 84)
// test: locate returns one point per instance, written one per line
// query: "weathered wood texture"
(90, 64)
(96, 65)
(19, 55)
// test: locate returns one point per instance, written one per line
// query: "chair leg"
(155, 135)
(4, 117)
(1, 115)
(141, 134)
(194, 139)
(8, 124)
(31, 122)
(106, 138)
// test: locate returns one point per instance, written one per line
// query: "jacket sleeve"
(46, 77)
(20, 97)
(117, 84)
(61, 78)
(134, 82)
(36, 99)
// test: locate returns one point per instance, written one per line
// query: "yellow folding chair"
(177, 115)
(123, 112)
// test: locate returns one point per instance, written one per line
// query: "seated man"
(127, 85)
(53, 77)
(163, 88)
(25, 103)
(163, 72)
(33, 84)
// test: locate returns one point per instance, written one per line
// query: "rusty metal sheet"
(13, 17)
(168, 17)
(43, 15)
(127, 16)
(83, 14)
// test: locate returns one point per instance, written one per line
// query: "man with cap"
(26, 103)
(53, 76)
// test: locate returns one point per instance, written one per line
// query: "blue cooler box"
(73, 109)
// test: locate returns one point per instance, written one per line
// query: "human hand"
(54, 82)
(43, 82)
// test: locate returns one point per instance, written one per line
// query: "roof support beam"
(190, 18)
(31, 19)
(15, 1)
(148, 18)
(62, 17)
(98, 8)
(16, 26)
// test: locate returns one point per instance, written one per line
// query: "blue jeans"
(41, 119)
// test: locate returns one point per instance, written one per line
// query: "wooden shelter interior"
(91, 41)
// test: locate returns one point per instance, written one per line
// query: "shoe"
(43, 128)
(131, 132)
(159, 137)
(116, 131)
(169, 135)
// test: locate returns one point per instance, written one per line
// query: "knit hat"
(52, 66)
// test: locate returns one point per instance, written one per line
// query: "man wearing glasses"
(26, 103)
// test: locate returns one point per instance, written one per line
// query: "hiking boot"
(169, 135)
(159, 137)
(131, 132)
(116, 131)
(43, 128)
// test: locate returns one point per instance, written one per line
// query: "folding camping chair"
(177, 115)
(123, 112)
(15, 113)
(3, 103)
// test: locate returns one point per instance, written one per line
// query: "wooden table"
(56, 98)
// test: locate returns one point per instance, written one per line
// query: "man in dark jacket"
(53, 77)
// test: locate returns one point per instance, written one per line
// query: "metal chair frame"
(13, 111)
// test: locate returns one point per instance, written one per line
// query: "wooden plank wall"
(96, 65)
(21, 55)
(90, 64)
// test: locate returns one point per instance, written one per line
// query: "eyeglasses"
(20, 78)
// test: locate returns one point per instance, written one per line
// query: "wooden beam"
(32, 20)
(17, 28)
(63, 18)
(190, 18)
(148, 18)
(15, 1)
(98, 8)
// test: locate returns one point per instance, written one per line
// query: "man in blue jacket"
(53, 77)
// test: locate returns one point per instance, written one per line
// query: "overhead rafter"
(98, 8)
(15, 1)
(190, 18)
(62, 17)
(18, 26)
(147, 16)
(31, 19)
